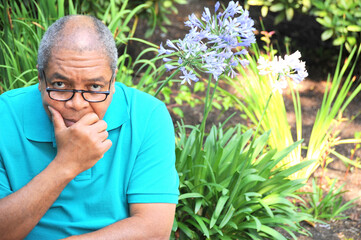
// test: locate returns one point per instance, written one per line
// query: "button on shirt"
(138, 168)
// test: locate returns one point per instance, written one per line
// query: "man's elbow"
(157, 231)
(160, 235)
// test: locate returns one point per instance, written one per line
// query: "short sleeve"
(4, 181)
(154, 178)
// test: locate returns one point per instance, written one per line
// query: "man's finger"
(57, 119)
(89, 119)
(107, 145)
(100, 126)
(103, 136)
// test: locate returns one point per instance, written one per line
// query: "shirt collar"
(118, 110)
(38, 127)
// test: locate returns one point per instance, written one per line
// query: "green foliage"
(335, 100)
(284, 8)
(326, 205)
(23, 26)
(231, 189)
(154, 11)
(157, 13)
(341, 20)
(255, 90)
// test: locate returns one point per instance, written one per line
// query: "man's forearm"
(23, 209)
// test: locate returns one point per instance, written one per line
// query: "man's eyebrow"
(58, 76)
(62, 77)
(98, 79)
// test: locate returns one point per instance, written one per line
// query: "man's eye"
(58, 85)
(96, 87)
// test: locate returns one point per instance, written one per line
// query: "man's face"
(71, 69)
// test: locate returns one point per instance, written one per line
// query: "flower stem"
(166, 81)
(207, 105)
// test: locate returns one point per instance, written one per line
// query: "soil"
(320, 59)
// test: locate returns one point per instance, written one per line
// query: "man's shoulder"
(16, 99)
(19, 94)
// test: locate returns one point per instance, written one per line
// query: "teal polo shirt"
(138, 168)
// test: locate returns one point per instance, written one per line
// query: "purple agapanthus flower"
(215, 43)
(188, 76)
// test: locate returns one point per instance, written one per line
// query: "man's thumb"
(57, 119)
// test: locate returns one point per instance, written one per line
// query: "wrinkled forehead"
(79, 35)
(78, 46)
(78, 58)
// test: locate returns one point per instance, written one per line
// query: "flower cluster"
(214, 43)
(282, 68)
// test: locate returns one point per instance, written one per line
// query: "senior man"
(80, 155)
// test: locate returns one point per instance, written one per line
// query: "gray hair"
(53, 37)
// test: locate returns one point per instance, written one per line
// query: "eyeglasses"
(64, 95)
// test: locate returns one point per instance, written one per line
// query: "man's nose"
(77, 102)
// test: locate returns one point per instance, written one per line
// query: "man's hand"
(81, 145)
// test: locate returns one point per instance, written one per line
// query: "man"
(80, 155)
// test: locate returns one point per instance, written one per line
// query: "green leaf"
(277, 7)
(318, 4)
(228, 216)
(199, 86)
(220, 204)
(251, 194)
(175, 225)
(289, 14)
(346, 160)
(178, 111)
(167, 4)
(178, 100)
(258, 223)
(326, 34)
(217, 105)
(354, 28)
(202, 225)
(279, 18)
(352, 40)
(264, 11)
(184, 228)
(190, 195)
(256, 2)
(338, 41)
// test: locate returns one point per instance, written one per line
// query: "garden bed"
(311, 93)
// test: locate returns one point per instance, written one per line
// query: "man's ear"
(113, 85)
(39, 79)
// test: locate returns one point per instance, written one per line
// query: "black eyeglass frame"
(49, 90)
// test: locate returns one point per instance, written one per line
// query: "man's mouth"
(69, 122)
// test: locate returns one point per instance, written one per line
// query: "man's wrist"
(67, 173)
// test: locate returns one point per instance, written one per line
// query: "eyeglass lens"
(66, 95)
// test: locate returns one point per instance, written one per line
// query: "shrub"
(284, 8)
(326, 205)
(232, 189)
(341, 20)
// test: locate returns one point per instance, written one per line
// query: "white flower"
(290, 66)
